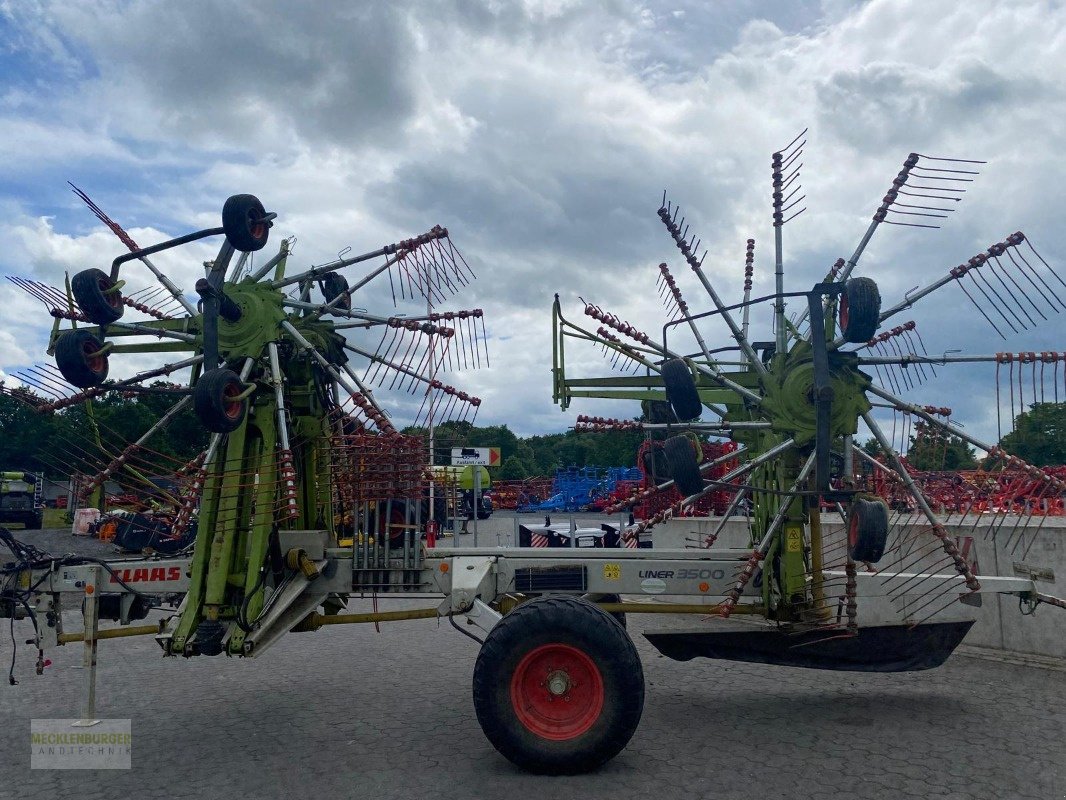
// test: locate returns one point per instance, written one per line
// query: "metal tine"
(672, 299)
(890, 371)
(473, 334)
(448, 351)
(911, 348)
(464, 356)
(59, 386)
(973, 273)
(877, 367)
(468, 346)
(920, 375)
(461, 340)
(418, 353)
(924, 351)
(941, 177)
(392, 284)
(433, 266)
(456, 345)
(1042, 261)
(903, 371)
(895, 371)
(447, 259)
(922, 574)
(1022, 291)
(431, 270)
(33, 289)
(406, 292)
(1008, 292)
(484, 334)
(415, 278)
(977, 305)
(1033, 538)
(394, 343)
(950, 587)
(402, 362)
(434, 270)
(373, 368)
(423, 356)
(461, 269)
(1011, 252)
(443, 361)
(35, 383)
(1019, 521)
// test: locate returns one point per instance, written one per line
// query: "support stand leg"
(90, 620)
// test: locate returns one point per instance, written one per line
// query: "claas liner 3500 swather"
(298, 442)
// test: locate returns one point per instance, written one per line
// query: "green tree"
(871, 447)
(1039, 435)
(512, 470)
(933, 448)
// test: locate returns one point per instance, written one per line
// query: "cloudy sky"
(542, 134)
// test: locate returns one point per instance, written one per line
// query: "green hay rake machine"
(301, 457)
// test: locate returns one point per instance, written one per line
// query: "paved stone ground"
(348, 712)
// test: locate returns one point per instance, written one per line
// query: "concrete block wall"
(1000, 624)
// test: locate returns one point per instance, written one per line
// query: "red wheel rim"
(96, 363)
(557, 692)
(853, 529)
(844, 312)
(114, 299)
(256, 226)
(398, 518)
(231, 407)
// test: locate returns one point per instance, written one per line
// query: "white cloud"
(542, 136)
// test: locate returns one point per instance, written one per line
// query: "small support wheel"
(558, 686)
(97, 296)
(80, 360)
(860, 308)
(245, 223)
(681, 389)
(680, 452)
(867, 529)
(217, 401)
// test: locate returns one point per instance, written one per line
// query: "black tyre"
(558, 686)
(215, 400)
(334, 286)
(618, 616)
(681, 390)
(244, 222)
(680, 452)
(653, 462)
(78, 358)
(96, 296)
(860, 307)
(33, 522)
(867, 529)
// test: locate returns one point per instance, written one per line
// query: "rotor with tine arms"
(283, 384)
(794, 404)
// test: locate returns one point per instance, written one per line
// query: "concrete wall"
(1036, 548)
